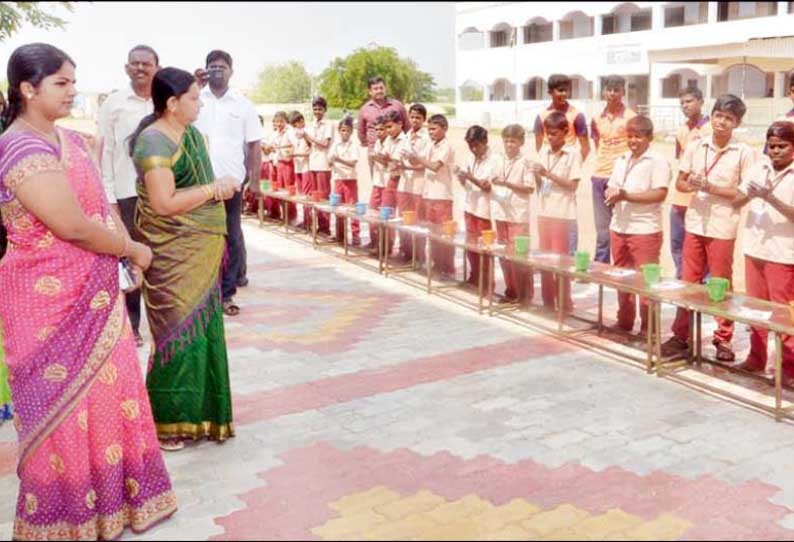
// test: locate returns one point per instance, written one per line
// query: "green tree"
(446, 94)
(283, 83)
(344, 82)
(14, 14)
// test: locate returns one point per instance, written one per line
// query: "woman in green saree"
(181, 217)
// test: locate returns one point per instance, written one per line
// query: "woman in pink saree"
(89, 460)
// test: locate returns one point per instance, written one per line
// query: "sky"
(99, 35)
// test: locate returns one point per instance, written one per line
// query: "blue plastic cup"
(386, 213)
(361, 209)
(335, 199)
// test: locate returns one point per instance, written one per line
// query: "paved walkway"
(368, 410)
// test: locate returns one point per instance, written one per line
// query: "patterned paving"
(368, 410)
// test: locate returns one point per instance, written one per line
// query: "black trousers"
(133, 299)
(235, 268)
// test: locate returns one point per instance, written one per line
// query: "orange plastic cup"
(449, 227)
(317, 195)
(409, 218)
(488, 237)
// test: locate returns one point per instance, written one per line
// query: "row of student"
(713, 166)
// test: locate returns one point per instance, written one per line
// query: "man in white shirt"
(118, 117)
(229, 122)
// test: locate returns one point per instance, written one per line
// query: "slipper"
(724, 352)
(230, 309)
(138, 340)
(171, 445)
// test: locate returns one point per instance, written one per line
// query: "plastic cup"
(264, 186)
(652, 272)
(293, 190)
(581, 261)
(386, 212)
(449, 227)
(409, 218)
(717, 288)
(335, 199)
(361, 209)
(317, 195)
(521, 244)
(488, 237)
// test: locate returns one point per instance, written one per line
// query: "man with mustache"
(119, 116)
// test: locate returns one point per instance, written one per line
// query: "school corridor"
(366, 409)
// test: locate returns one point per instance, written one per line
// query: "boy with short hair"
(300, 162)
(392, 159)
(284, 145)
(438, 162)
(636, 190)
(557, 176)
(609, 137)
(510, 210)
(712, 168)
(378, 176)
(343, 157)
(696, 127)
(409, 197)
(769, 239)
(482, 168)
(559, 88)
(319, 135)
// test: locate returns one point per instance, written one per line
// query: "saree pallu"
(188, 374)
(89, 460)
(5, 391)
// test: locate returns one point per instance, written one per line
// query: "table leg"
(691, 343)
(345, 220)
(699, 338)
(313, 215)
(649, 332)
(489, 287)
(465, 265)
(386, 251)
(600, 308)
(658, 339)
(429, 264)
(560, 301)
(284, 206)
(778, 377)
(260, 210)
(479, 284)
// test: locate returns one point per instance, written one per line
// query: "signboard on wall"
(624, 54)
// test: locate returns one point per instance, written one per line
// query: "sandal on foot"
(724, 351)
(171, 445)
(230, 309)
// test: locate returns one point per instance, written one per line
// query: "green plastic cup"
(717, 288)
(264, 186)
(652, 273)
(581, 260)
(521, 244)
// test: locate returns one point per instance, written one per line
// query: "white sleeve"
(107, 139)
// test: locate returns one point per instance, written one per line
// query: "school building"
(505, 52)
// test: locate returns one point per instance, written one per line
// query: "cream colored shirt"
(768, 234)
(414, 179)
(709, 215)
(553, 200)
(393, 146)
(378, 169)
(478, 203)
(348, 151)
(438, 184)
(323, 131)
(301, 163)
(118, 118)
(506, 204)
(683, 139)
(650, 171)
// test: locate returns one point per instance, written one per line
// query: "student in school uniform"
(768, 238)
(392, 159)
(378, 176)
(284, 146)
(270, 170)
(510, 199)
(409, 196)
(712, 168)
(609, 137)
(343, 158)
(559, 88)
(300, 162)
(437, 198)
(557, 176)
(482, 168)
(636, 190)
(696, 127)
(319, 135)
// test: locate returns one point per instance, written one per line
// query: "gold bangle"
(124, 247)
(207, 191)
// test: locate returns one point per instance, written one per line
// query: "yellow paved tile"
(357, 502)
(468, 506)
(513, 531)
(562, 517)
(463, 529)
(348, 524)
(512, 512)
(665, 527)
(411, 527)
(598, 527)
(422, 501)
